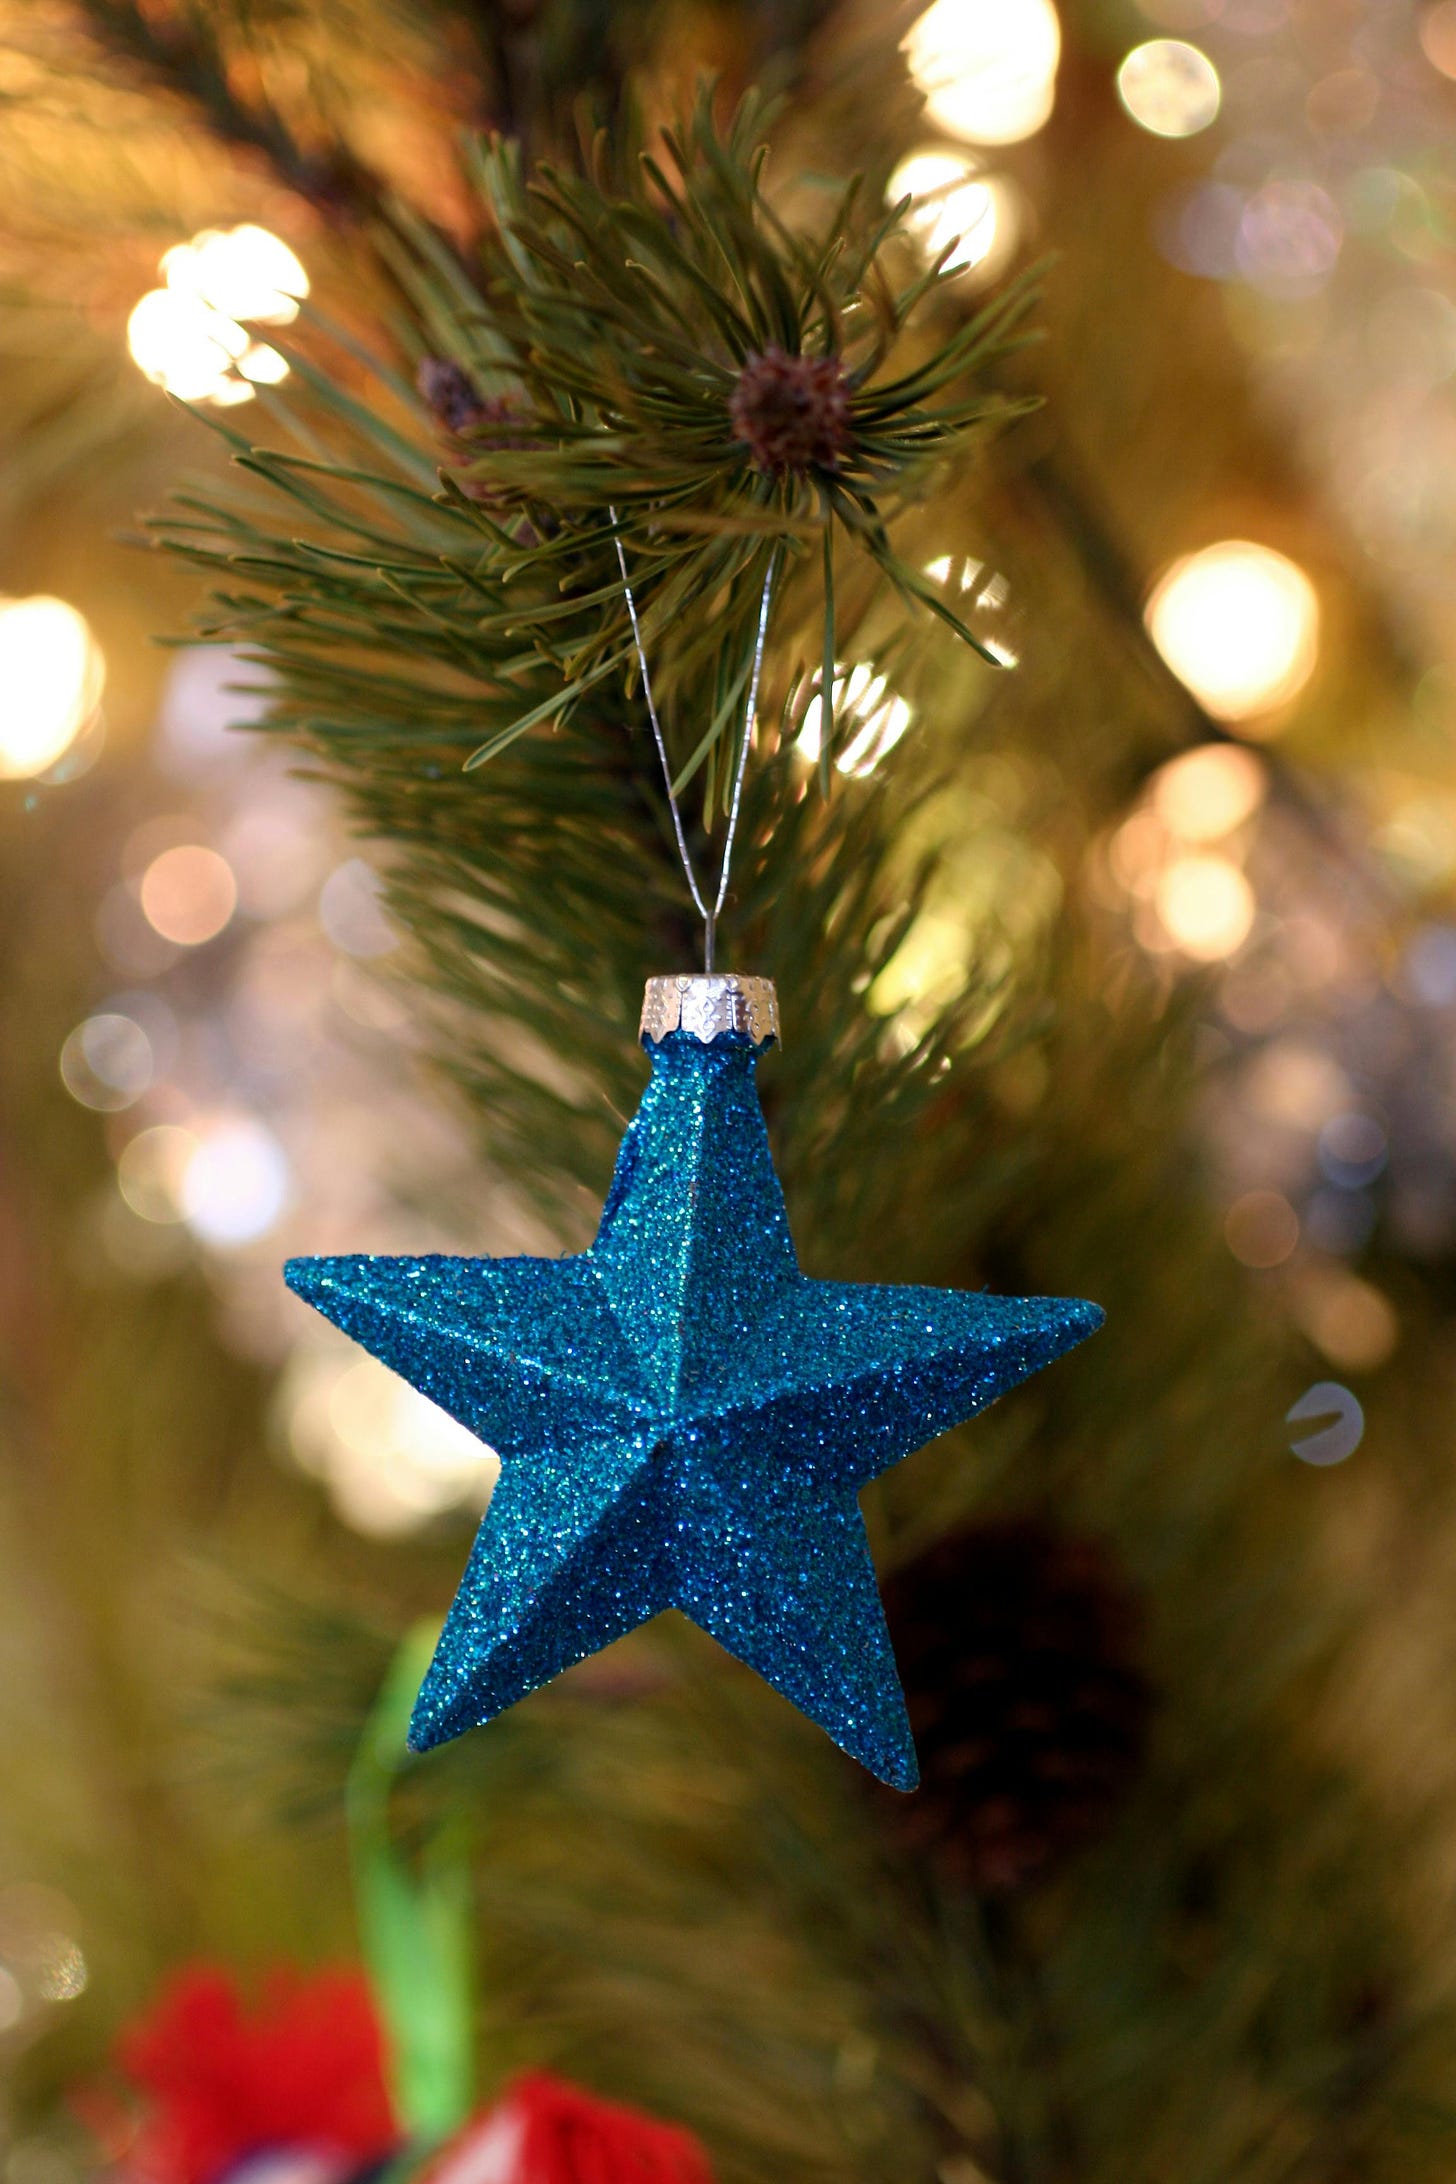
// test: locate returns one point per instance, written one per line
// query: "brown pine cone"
(1017, 1648)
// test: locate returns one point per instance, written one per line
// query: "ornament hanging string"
(750, 721)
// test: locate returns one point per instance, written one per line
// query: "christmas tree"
(896, 460)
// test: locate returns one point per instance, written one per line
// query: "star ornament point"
(684, 1419)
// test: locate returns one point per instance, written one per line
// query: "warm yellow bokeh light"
(1438, 36)
(392, 1458)
(1205, 906)
(188, 336)
(1239, 625)
(1354, 1323)
(987, 68)
(1169, 88)
(1261, 1229)
(151, 1169)
(1207, 793)
(51, 677)
(973, 216)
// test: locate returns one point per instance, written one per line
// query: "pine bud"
(792, 412)
(450, 392)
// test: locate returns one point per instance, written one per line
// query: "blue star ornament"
(684, 1420)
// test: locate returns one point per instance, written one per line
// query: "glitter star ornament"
(684, 1420)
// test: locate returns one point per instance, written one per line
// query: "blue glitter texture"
(683, 1419)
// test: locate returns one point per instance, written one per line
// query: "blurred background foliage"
(1125, 969)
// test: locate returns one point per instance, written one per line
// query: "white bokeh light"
(107, 1063)
(235, 1184)
(1169, 88)
(352, 912)
(1239, 625)
(957, 209)
(245, 272)
(391, 1459)
(51, 677)
(987, 68)
(190, 337)
(186, 347)
(869, 720)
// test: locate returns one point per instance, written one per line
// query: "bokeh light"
(1169, 87)
(987, 68)
(1289, 236)
(390, 1458)
(187, 348)
(982, 590)
(1353, 1322)
(61, 1974)
(1296, 1083)
(210, 690)
(956, 208)
(107, 1062)
(1198, 230)
(1137, 852)
(275, 852)
(1343, 103)
(352, 913)
(1335, 1420)
(189, 336)
(244, 272)
(1207, 794)
(151, 1168)
(1239, 625)
(51, 673)
(869, 720)
(1352, 1149)
(43, 1962)
(1428, 971)
(188, 894)
(1438, 37)
(1261, 1229)
(1205, 906)
(235, 1183)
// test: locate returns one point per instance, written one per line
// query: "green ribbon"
(414, 1917)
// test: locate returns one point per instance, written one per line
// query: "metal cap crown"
(706, 1004)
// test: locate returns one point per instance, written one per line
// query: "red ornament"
(543, 2131)
(301, 2076)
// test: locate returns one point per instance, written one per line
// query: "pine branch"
(627, 364)
(744, 1943)
(176, 48)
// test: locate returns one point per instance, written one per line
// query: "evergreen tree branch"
(177, 49)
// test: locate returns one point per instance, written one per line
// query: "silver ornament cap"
(706, 1004)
